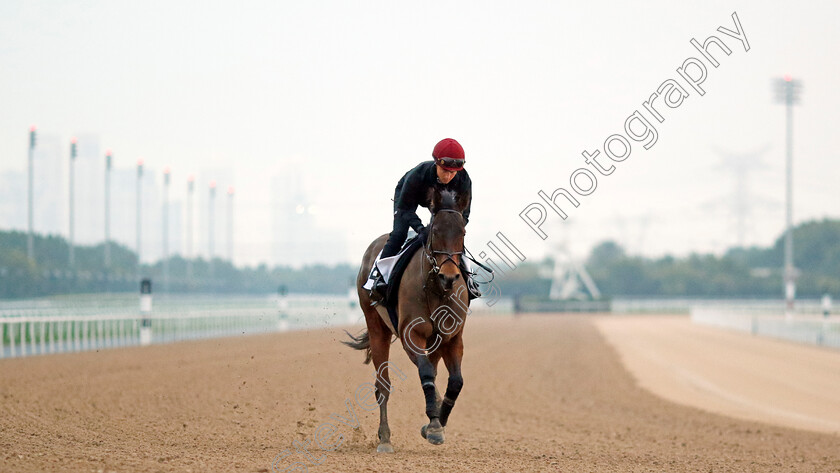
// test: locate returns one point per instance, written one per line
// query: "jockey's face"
(445, 176)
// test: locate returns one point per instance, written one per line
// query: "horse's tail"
(360, 342)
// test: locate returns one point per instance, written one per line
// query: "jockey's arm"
(468, 190)
(466, 213)
(405, 199)
(413, 219)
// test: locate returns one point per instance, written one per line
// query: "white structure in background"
(123, 202)
(50, 186)
(569, 277)
(223, 177)
(13, 200)
(90, 190)
(741, 200)
(298, 239)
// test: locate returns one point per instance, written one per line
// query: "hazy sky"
(353, 94)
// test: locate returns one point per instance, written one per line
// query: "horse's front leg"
(453, 352)
(416, 348)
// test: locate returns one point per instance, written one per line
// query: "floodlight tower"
(165, 227)
(190, 193)
(139, 212)
(30, 245)
(787, 92)
(211, 224)
(230, 193)
(108, 209)
(72, 199)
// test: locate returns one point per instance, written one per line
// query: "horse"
(432, 307)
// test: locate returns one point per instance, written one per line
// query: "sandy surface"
(729, 372)
(541, 393)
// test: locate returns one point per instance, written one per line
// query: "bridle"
(430, 254)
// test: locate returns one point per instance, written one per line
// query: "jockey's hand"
(422, 230)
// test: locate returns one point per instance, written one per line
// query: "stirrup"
(379, 287)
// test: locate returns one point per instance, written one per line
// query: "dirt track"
(542, 393)
(732, 373)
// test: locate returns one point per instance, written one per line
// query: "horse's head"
(445, 244)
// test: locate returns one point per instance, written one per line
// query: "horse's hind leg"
(380, 347)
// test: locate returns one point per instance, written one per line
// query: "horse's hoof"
(384, 448)
(433, 434)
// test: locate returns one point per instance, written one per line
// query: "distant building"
(298, 239)
(223, 177)
(176, 228)
(13, 200)
(90, 191)
(124, 211)
(50, 186)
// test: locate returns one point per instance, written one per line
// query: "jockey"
(446, 171)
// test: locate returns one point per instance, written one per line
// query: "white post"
(62, 336)
(283, 308)
(52, 337)
(11, 341)
(146, 312)
(23, 338)
(43, 338)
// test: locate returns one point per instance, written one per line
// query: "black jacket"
(412, 190)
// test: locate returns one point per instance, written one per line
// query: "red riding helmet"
(449, 155)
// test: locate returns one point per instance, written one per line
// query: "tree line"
(739, 272)
(52, 274)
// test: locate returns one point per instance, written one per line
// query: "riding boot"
(380, 289)
(380, 286)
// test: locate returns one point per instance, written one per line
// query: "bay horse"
(432, 306)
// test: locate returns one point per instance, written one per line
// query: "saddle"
(390, 301)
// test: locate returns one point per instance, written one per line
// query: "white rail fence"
(83, 323)
(806, 326)
(57, 328)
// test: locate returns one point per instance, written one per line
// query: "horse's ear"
(433, 198)
(462, 201)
